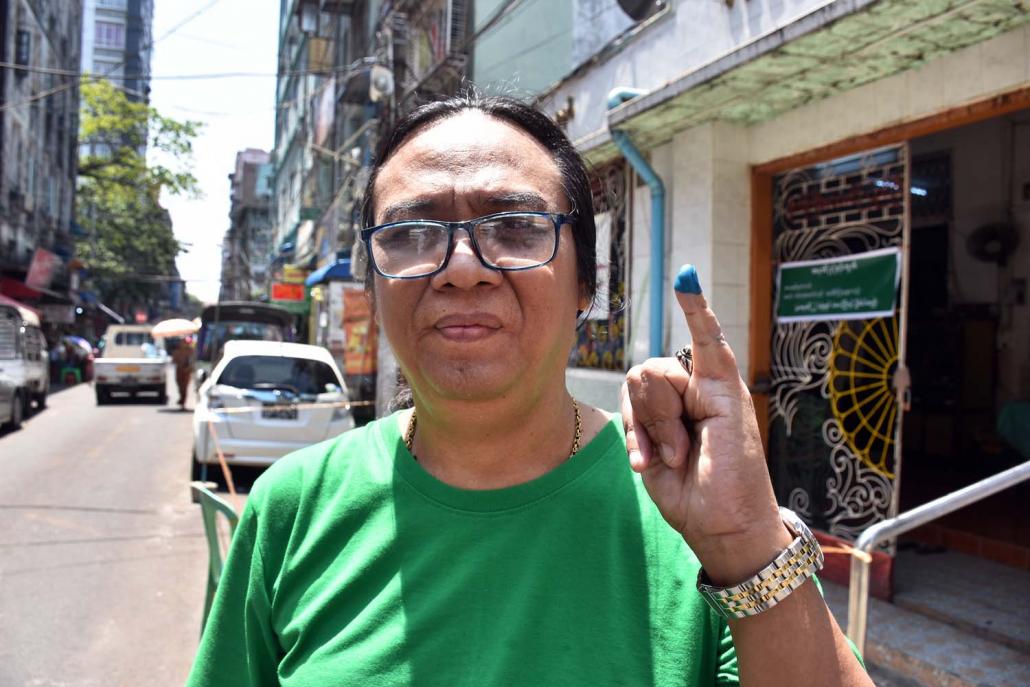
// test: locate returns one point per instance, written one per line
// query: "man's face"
(470, 332)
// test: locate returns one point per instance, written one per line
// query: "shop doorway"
(969, 333)
(837, 342)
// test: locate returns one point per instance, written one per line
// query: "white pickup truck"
(131, 364)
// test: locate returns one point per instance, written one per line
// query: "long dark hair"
(574, 179)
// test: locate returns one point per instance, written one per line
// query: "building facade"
(771, 135)
(38, 149)
(117, 43)
(247, 245)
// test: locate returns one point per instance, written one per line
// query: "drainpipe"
(654, 182)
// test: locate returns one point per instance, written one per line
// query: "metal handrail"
(858, 589)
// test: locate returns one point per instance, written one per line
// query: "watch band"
(773, 583)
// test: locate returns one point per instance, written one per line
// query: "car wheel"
(102, 397)
(162, 397)
(17, 411)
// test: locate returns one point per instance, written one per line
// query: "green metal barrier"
(210, 506)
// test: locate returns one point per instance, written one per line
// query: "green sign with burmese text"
(852, 287)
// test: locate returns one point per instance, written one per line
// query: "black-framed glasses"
(510, 241)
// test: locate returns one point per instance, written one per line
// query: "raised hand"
(695, 440)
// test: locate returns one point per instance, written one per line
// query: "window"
(110, 35)
(22, 50)
(215, 334)
(302, 375)
(132, 339)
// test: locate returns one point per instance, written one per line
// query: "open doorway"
(968, 346)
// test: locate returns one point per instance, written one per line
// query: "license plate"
(279, 412)
(127, 368)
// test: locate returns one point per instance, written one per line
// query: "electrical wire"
(173, 77)
(64, 87)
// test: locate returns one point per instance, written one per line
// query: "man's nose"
(464, 269)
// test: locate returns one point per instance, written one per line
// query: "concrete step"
(909, 649)
(937, 583)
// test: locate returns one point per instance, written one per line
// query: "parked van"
(24, 364)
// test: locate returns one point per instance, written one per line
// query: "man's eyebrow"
(406, 209)
(518, 200)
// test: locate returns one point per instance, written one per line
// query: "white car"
(263, 400)
(24, 364)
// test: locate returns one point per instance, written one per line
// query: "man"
(184, 359)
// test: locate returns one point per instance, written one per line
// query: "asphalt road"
(102, 554)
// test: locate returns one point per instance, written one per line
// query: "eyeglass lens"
(416, 248)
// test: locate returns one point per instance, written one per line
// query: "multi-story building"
(326, 126)
(117, 44)
(38, 148)
(247, 245)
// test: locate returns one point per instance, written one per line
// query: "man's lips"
(467, 327)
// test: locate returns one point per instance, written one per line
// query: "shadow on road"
(133, 400)
(243, 478)
(56, 388)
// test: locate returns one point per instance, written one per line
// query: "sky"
(237, 112)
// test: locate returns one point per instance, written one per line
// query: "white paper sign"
(602, 301)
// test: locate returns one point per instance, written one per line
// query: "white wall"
(974, 73)
(692, 34)
(706, 170)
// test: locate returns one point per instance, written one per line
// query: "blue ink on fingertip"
(686, 280)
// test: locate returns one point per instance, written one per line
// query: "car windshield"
(132, 338)
(302, 375)
(215, 334)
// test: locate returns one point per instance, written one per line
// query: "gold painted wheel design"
(864, 358)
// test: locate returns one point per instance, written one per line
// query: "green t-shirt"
(352, 565)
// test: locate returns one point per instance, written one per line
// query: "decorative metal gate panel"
(602, 339)
(834, 417)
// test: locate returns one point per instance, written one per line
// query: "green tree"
(129, 244)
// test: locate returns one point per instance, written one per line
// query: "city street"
(102, 554)
(506, 213)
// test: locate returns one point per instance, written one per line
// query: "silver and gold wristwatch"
(773, 583)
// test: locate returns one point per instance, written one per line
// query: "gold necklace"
(409, 433)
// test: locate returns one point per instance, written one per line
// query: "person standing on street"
(500, 532)
(183, 359)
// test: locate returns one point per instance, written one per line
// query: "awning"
(111, 314)
(90, 298)
(832, 49)
(17, 289)
(338, 271)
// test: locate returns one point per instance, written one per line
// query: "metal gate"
(835, 421)
(601, 340)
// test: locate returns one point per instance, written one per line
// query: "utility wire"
(64, 87)
(171, 77)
